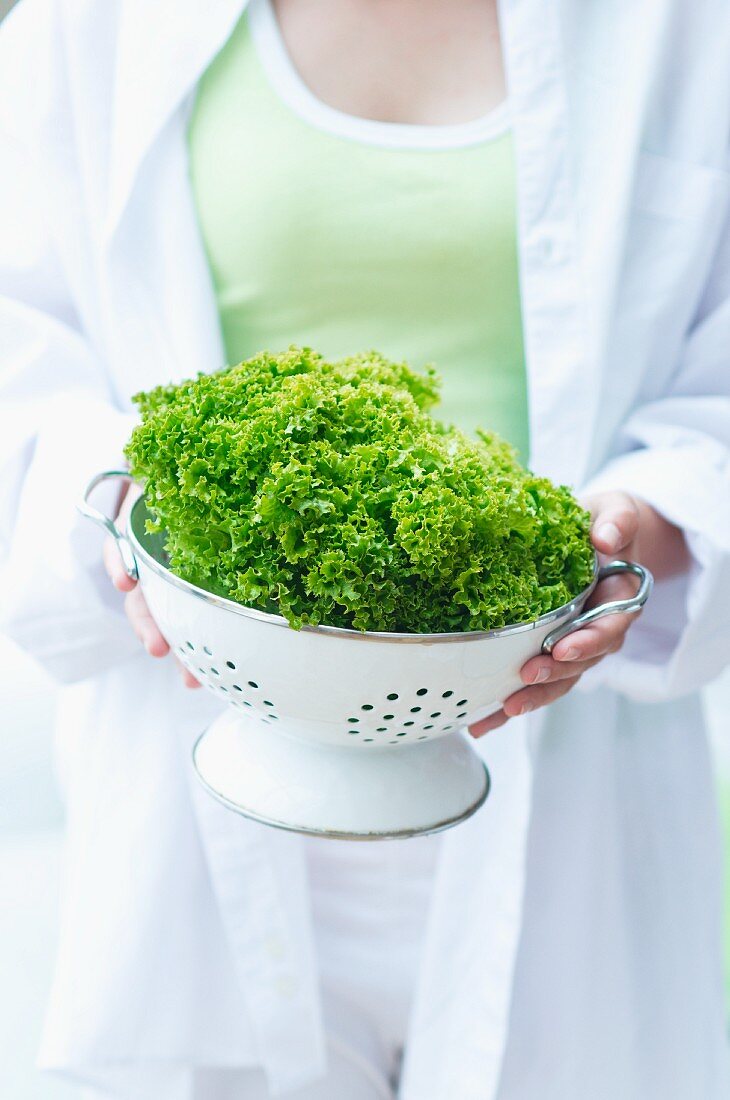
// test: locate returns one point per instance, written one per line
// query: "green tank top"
(347, 234)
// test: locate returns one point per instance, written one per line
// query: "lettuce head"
(327, 492)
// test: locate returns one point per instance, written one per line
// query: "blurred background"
(31, 831)
(31, 848)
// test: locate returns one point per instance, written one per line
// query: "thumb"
(615, 521)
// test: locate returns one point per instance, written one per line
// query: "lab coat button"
(275, 947)
(286, 986)
(547, 248)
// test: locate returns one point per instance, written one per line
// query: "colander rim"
(225, 604)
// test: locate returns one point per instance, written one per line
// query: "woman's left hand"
(622, 526)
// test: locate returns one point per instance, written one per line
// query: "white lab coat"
(573, 948)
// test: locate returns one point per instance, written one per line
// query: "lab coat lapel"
(154, 258)
(554, 313)
(553, 303)
(611, 102)
(163, 48)
(566, 323)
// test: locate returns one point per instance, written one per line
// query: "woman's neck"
(424, 62)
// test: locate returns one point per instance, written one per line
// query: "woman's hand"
(135, 606)
(622, 526)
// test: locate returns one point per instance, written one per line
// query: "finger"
(603, 637)
(545, 670)
(486, 725)
(115, 567)
(188, 679)
(530, 698)
(615, 521)
(144, 625)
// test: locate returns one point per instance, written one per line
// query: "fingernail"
(526, 708)
(570, 654)
(541, 676)
(610, 535)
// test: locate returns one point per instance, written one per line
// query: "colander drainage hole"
(230, 664)
(208, 651)
(251, 684)
(428, 727)
(462, 714)
(237, 688)
(268, 703)
(367, 739)
(423, 737)
(190, 646)
(367, 706)
(462, 702)
(401, 734)
(447, 695)
(436, 714)
(353, 720)
(353, 733)
(382, 729)
(214, 671)
(446, 727)
(393, 695)
(422, 691)
(415, 710)
(388, 717)
(409, 723)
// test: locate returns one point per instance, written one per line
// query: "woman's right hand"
(135, 605)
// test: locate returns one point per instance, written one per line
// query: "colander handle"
(613, 607)
(108, 525)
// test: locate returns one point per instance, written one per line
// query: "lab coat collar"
(163, 49)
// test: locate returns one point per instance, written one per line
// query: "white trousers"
(370, 905)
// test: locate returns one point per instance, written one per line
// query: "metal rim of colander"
(340, 631)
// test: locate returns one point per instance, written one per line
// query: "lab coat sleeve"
(58, 423)
(674, 453)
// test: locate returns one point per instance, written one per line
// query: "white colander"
(339, 732)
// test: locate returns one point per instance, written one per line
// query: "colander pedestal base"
(360, 794)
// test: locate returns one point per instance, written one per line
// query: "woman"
(186, 183)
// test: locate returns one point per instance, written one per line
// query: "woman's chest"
(283, 206)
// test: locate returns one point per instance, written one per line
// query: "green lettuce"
(328, 493)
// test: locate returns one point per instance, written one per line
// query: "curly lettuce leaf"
(326, 492)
